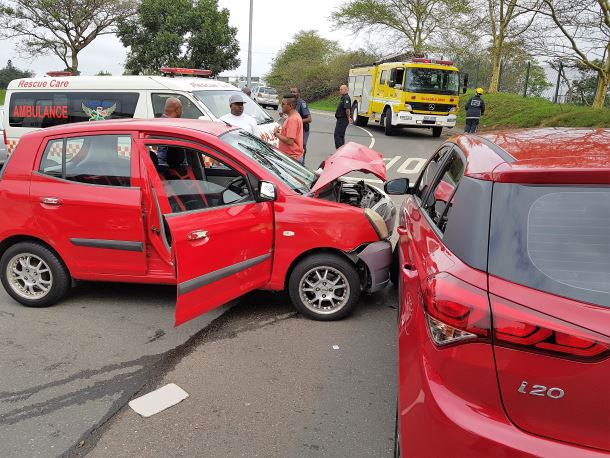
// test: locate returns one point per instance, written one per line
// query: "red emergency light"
(420, 60)
(59, 73)
(444, 62)
(184, 71)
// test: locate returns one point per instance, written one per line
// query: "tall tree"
(578, 32)
(418, 22)
(181, 33)
(63, 28)
(10, 73)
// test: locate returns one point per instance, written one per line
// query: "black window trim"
(436, 176)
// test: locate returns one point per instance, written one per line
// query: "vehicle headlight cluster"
(377, 222)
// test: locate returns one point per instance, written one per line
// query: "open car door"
(221, 238)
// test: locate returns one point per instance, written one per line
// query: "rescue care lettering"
(27, 111)
(43, 83)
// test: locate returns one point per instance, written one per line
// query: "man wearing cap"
(238, 118)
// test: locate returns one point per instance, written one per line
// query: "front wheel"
(436, 131)
(386, 121)
(33, 275)
(324, 287)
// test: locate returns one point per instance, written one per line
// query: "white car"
(266, 97)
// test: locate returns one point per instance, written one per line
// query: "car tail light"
(456, 311)
(525, 329)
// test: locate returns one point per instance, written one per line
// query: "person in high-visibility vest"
(475, 108)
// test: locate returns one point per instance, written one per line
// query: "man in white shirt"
(238, 118)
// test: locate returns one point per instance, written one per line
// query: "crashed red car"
(197, 204)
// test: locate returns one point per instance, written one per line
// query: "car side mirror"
(266, 192)
(398, 187)
(391, 83)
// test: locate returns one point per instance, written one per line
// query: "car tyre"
(358, 119)
(388, 128)
(436, 131)
(34, 275)
(324, 287)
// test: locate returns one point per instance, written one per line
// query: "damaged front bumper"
(377, 258)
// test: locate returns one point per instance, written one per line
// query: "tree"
(181, 33)
(418, 22)
(63, 28)
(316, 65)
(579, 34)
(103, 73)
(10, 73)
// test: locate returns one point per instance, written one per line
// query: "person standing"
(305, 116)
(343, 115)
(238, 118)
(475, 108)
(290, 135)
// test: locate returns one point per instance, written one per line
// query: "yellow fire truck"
(420, 93)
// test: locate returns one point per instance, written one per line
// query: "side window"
(189, 109)
(46, 109)
(440, 199)
(427, 175)
(97, 159)
(194, 180)
(399, 77)
(383, 78)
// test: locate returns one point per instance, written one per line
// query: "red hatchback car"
(504, 284)
(198, 204)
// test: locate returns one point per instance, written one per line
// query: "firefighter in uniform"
(475, 108)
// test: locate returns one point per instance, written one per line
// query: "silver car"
(266, 97)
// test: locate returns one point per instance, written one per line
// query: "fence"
(557, 83)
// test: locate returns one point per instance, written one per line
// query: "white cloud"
(274, 24)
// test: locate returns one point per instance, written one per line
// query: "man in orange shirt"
(290, 136)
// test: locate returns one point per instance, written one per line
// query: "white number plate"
(429, 118)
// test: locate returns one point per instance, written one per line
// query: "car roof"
(165, 125)
(545, 155)
(122, 83)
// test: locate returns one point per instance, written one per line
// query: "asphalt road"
(262, 380)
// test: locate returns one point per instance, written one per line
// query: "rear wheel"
(436, 131)
(386, 121)
(33, 275)
(324, 287)
(358, 119)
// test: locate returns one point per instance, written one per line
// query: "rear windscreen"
(46, 109)
(554, 239)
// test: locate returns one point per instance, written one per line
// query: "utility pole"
(249, 78)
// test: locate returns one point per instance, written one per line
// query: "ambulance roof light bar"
(173, 71)
(60, 73)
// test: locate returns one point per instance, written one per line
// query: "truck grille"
(431, 106)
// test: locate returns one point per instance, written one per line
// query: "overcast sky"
(274, 25)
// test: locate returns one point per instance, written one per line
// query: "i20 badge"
(541, 390)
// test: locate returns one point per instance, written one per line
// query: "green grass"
(513, 111)
(327, 104)
(2, 94)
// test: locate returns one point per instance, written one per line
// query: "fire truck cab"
(421, 93)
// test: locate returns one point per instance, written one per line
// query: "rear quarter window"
(46, 109)
(554, 239)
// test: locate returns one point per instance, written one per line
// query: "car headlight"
(408, 107)
(377, 222)
(453, 110)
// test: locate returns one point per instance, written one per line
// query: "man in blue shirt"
(305, 116)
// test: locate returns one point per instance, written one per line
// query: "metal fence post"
(558, 82)
(527, 78)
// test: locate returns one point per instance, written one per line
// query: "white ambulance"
(34, 103)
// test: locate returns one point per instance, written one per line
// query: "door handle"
(50, 200)
(197, 235)
(402, 230)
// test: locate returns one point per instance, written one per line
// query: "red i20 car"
(503, 268)
(193, 203)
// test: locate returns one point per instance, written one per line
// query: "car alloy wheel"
(324, 290)
(29, 276)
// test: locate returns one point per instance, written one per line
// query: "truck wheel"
(324, 287)
(436, 131)
(358, 119)
(386, 121)
(33, 275)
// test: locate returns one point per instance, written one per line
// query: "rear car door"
(549, 266)
(221, 238)
(85, 203)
